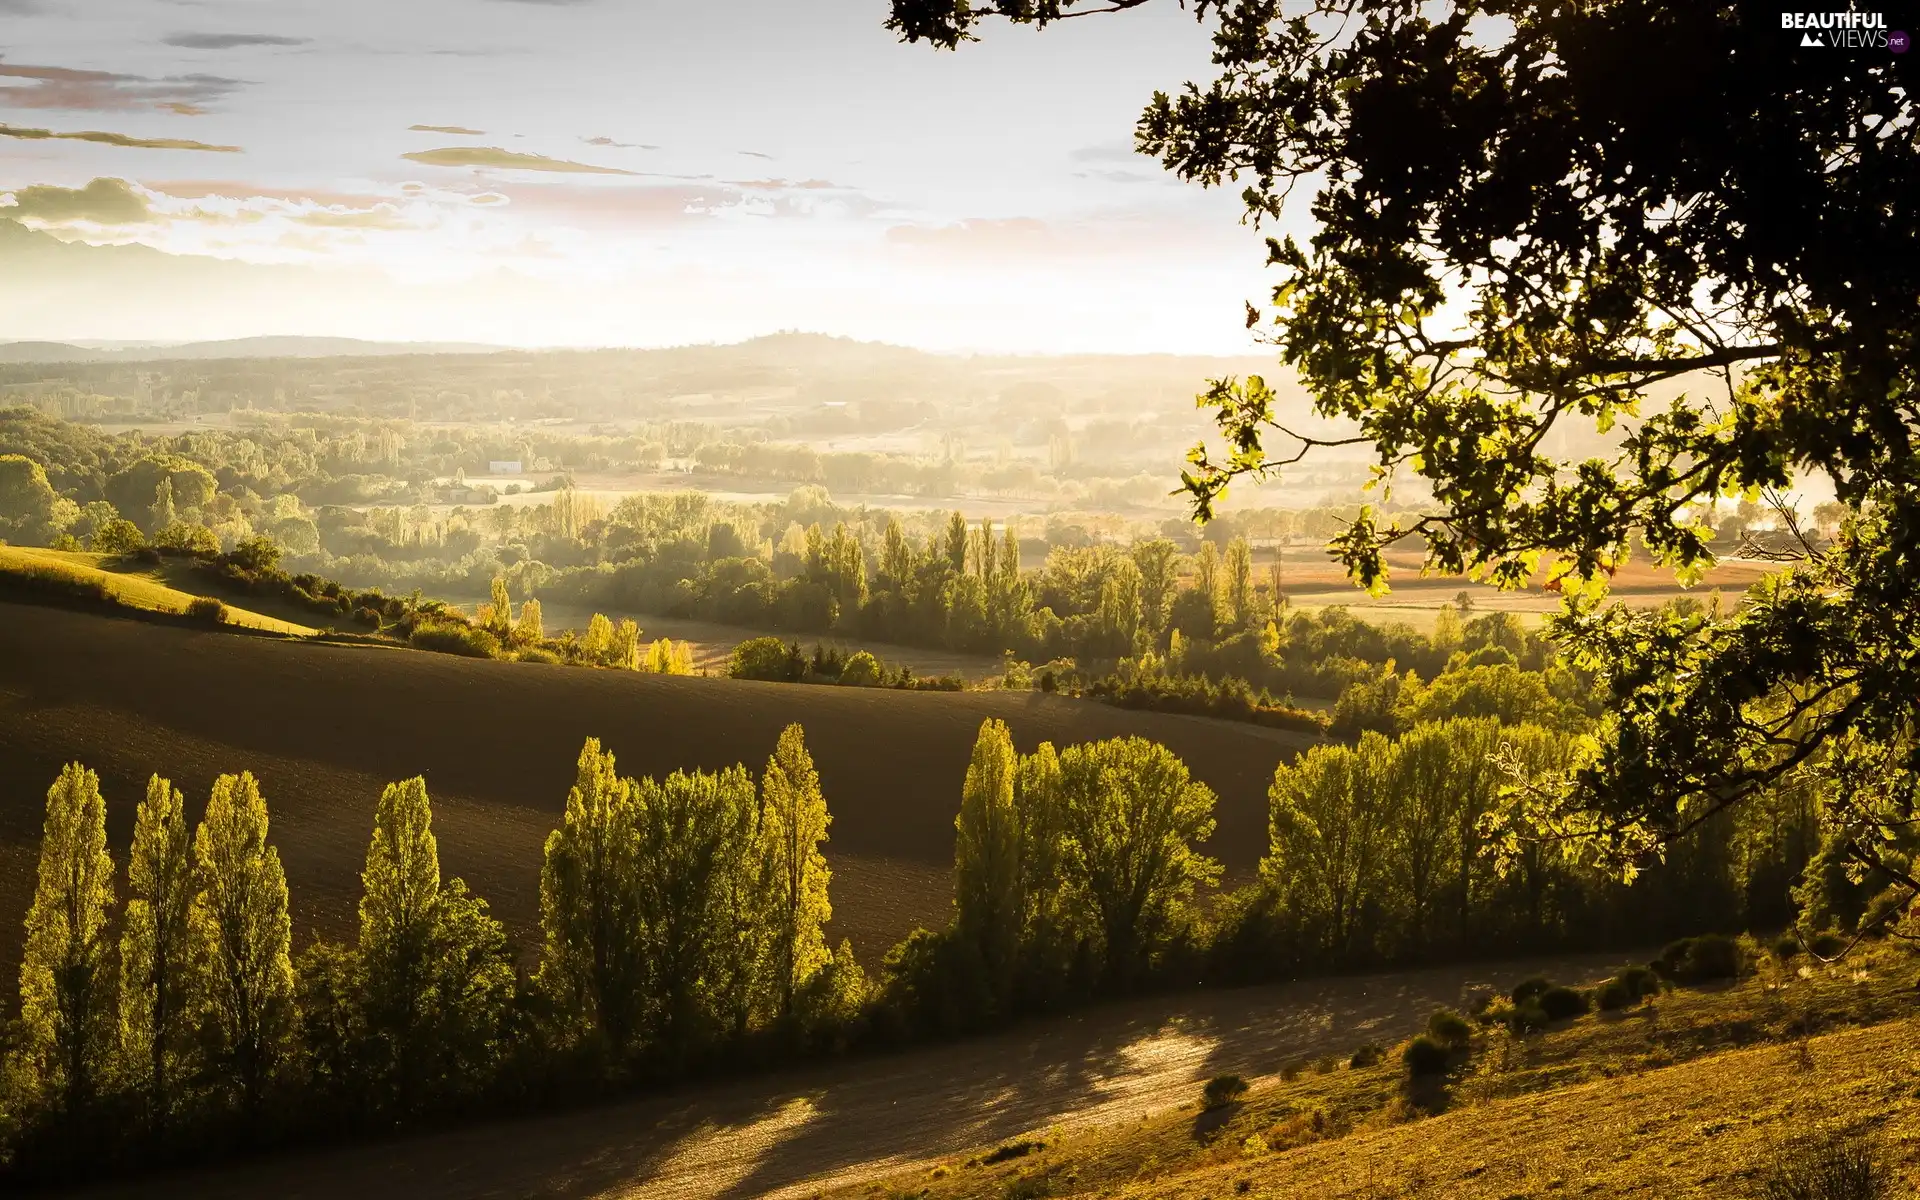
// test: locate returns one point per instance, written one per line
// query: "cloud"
(103, 202)
(230, 41)
(106, 91)
(24, 8)
(228, 189)
(787, 185)
(643, 206)
(756, 154)
(381, 216)
(183, 109)
(607, 141)
(457, 130)
(505, 160)
(1107, 152)
(113, 139)
(1119, 176)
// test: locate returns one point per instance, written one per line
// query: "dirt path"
(791, 1134)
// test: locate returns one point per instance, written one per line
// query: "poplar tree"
(624, 646)
(66, 1000)
(1132, 818)
(989, 905)
(240, 925)
(398, 904)
(794, 822)
(158, 978)
(1037, 803)
(592, 959)
(434, 963)
(597, 644)
(695, 832)
(500, 620)
(529, 629)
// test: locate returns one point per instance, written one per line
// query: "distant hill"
(252, 347)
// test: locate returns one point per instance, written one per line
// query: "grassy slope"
(1684, 1096)
(324, 727)
(134, 586)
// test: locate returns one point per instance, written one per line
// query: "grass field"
(1676, 1097)
(326, 726)
(1313, 582)
(713, 643)
(132, 585)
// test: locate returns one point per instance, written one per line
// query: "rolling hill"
(130, 585)
(325, 726)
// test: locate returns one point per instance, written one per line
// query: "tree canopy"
(1664, 224)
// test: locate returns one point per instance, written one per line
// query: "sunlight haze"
(603, 174)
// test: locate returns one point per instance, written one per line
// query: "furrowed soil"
(325, 727)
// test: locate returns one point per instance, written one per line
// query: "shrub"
(370, 617)
(1642, 980)
(862, 670)
(1528, 989)
(1700, 959)
(768, 658)
(1449, 1029)
(1829, 1165)
(536, 654)
(1527, 1017)
(208, 609)
(1827, 943)
(1614, 995)
(447, 637)
(1013, 1150)
(1425, 1056)
(1365, 1056)
(1561, 1003)
(1221, 1091)
(1787, 946)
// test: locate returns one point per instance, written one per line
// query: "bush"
(370, 617)
(449, 638)
(1450, 1029)
(537, 655)
(1642, 980)
(768, 658)
(1367, 1055)
(1829, 1165)
(1221, 1091)
(1012, 1150)
(1527, 1017)
(1827, 943)
(1700, 959)
(1787, 946)
(1528, 989)
(862, 670)
(208, 609)
(1614, 995)
(1562, 1003)
(1425, 1056)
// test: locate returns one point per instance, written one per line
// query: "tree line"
(682, 925)
(680, 919)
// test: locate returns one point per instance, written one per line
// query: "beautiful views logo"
(1845, 30)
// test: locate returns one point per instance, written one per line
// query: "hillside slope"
(325, 726)
(131, 585)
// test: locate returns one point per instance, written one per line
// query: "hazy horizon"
(545, 174)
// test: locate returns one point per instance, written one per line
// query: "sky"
(607, 172)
